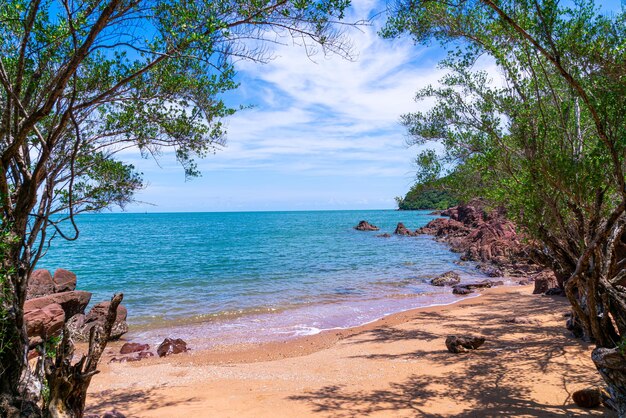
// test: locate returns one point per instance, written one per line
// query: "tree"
(80, 81)
(428, 195)
(549, 143)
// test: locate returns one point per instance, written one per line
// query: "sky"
(323, 133)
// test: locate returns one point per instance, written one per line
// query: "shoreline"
(395, 366)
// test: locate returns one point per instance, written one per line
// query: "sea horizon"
(256, 275)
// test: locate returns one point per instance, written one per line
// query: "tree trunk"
(611, 364)
(69, 382)
(19, 391)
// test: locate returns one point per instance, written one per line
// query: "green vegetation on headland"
(426, 196)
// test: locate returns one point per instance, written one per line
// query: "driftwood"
(68, 382)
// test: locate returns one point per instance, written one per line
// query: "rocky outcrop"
(171, 346)
(64, 281)
(366, 226)
(80, 326)
(449, 278)
(73, 302)
(462, 344)
(402, 230)
(43, 323)
(40, 284)
(486, 237)
(53, 302)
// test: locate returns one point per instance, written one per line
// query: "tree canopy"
(545, 137)
(81, 80)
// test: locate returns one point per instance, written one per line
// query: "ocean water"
(251, 276)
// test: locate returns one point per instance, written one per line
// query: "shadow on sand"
(491, 383)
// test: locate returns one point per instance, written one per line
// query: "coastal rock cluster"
(53, 302)
(492, 240)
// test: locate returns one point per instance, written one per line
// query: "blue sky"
(323, 132)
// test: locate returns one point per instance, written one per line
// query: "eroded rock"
(402, 230)
(544, 281)
(133, 348)
(73, 302)
(171, 346)
(366, 226)
(44, 323)
(462, 344)
(449, 278)
(64, 281)
(40, 284)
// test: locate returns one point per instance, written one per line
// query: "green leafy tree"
(82, 80)
(429, 195)
(548, 143)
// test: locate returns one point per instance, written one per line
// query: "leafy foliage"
(81, 81)
(427, 196)
(548, 141)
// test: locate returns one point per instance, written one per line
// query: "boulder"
(40, 283)
(544, 281)
(462, 344)
(588, 398)
(461, 290)
(402, 230)
(64, 281)
(80, 325)
(73, 302)
(366, 226)
(44, 322)
(133, 348)
(99, 312)
(385, 235)
(449, 278)
(171, 346)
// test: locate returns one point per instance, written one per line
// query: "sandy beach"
(397, 367)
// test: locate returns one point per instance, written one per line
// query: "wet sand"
(395, 367)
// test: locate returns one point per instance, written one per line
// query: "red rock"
(402, 230)
(461, 290)
(73, 302)
(45, 322)
(366, 226)
(544, 281)
(449, 278)
(133, 348)
(461, 344)
(99, 312)
(171, 346)
(64, 281)
(40, 284)
(97, 316)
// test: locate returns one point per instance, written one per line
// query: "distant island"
(423, 196)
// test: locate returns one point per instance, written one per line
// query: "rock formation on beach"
(53, 302)
(488, 238)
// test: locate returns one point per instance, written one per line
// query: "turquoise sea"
(252, 276)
